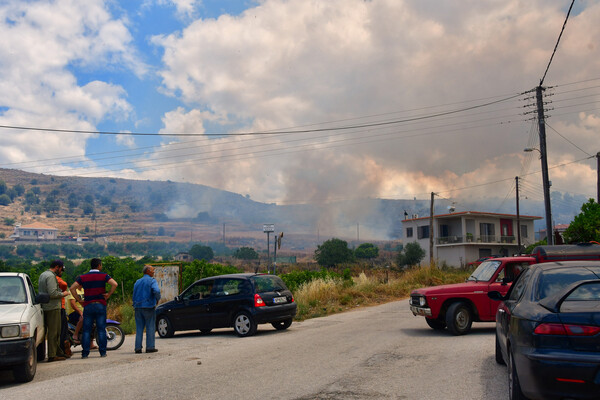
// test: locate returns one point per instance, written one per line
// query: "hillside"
(127, 210)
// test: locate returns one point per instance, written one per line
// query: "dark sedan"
(548, 332)
(241, 301)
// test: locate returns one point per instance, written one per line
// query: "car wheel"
(244, 324)
(282, 325)
(499, 358)
(514, 387)
(41, 351)
(25, 372)
(459, 319)
(436, 324)
(164, 327)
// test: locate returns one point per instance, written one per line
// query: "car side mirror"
(506, 281)
(495, 295)
(178, 299)
(42, 298)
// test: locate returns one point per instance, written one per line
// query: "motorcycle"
(114, 334)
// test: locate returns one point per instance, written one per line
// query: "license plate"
(279, 300)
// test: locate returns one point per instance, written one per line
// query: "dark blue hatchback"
(548, 332)
(241, 301)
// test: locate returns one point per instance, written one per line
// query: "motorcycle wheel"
(114, 336)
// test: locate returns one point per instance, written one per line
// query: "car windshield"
(268, 283)
(12, 290)
(485, 271)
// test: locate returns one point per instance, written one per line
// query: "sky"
(304, 101)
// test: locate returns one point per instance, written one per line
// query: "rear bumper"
(557, 375)
(14, 352)
(268, 314)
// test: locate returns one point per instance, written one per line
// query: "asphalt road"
(380, 352)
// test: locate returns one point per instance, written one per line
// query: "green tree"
(5, 200)
(586, 226)
(332, 252)
(246, 253)
(3, 187)
(366, 251)
(412, 254)
(20, 189)
(200, 252)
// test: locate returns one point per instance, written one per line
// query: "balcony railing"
(475, 239)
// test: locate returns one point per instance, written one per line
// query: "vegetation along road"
(380, 352)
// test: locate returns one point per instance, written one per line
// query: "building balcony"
(487, 239)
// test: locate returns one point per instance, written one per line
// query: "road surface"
(380, 352)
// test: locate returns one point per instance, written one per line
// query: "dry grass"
(323, 297)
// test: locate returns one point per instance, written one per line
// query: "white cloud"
(42, 44)
(297, 62)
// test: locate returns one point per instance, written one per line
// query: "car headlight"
(422, 301)
(11, 331)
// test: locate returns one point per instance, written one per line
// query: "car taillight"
(566, 329)
(292, 299)
(258, 301)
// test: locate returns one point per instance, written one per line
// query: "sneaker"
(151, 350)
(103, 355)
(57, 358)
(138, 351)
(82, 356)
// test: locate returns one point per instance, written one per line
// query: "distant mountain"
(115, 207)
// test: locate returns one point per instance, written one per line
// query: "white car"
(22, 334)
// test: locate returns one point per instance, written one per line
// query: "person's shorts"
(74, 317)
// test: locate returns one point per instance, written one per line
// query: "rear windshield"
(268, 283)
(12, 290)
(554, 280)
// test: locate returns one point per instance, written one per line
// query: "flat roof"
(475, 213)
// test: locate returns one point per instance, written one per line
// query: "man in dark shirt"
(94, 306)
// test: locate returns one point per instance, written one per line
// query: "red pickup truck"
(458, 305)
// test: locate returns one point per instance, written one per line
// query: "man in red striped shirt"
(94, 305)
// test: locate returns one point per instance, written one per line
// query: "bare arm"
(113, 286)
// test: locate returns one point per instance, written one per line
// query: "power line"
(557, 42)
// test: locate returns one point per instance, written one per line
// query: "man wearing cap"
(146, 294)
(47, 283)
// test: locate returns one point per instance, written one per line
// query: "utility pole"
(598, 174)
(223, 233)
(431, 231)
(544, 159)
(518, 216)
(357, 233)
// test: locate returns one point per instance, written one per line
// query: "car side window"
(229, 287)
(200, 290)
(518, 287)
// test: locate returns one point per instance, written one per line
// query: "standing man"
(52, 317)
(94, 306)
(64, 327)
(146, 294)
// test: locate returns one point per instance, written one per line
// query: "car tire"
(459, 318)
(436, 324)
(41, 351)
(25, 372)
(164, 327)
(244, 324)
(282, 325)
(499, 358)
(514, 386)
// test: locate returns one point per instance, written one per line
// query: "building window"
(409, 232)
(487, 232)
(423, 232)
(524, 231)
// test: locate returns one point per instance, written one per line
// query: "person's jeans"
(145, 318)
(94, 312)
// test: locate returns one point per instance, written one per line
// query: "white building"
(463, 237)
(35, 231)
